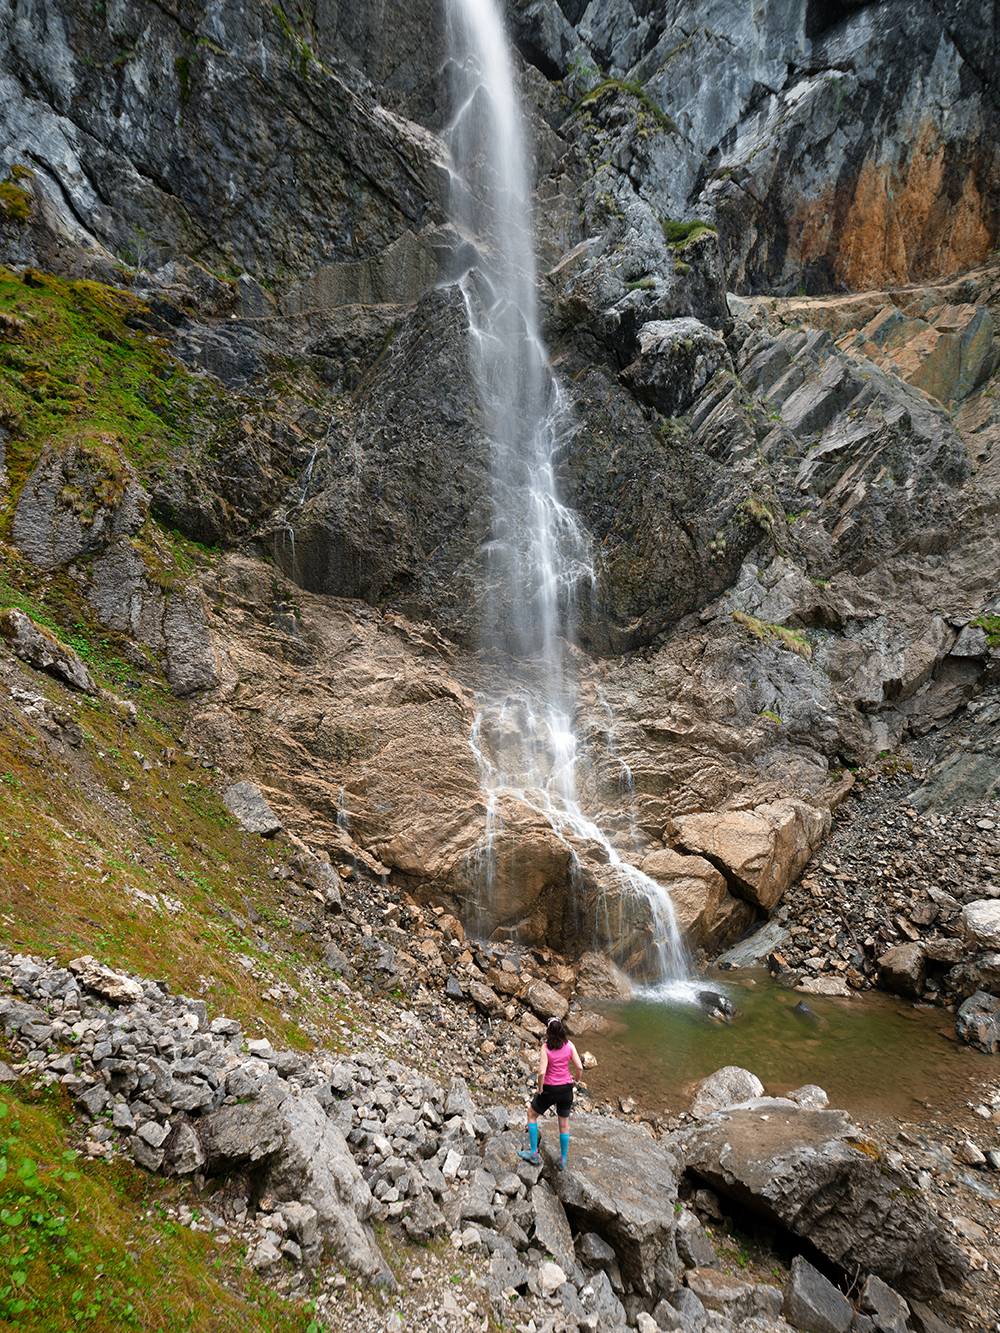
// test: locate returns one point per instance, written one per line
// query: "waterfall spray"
(538, 556)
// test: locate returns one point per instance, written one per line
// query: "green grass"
(780, 634)
(90, 1245)
(75, 376)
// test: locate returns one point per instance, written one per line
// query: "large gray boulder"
(242, 1134)
(815, 1173)
(677, 358)
(726, 1087)
(246, 803)
(315, 1167)
(623, 1186)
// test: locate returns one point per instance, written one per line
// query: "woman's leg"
(532, 1131)
(563, 1138)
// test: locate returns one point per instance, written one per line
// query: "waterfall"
(538, 556)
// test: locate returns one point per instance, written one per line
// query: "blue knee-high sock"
(563, 1145)
(533, 1136)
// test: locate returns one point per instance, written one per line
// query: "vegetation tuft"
(780, 634)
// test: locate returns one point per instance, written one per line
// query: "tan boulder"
(598, 978)
(903, 969)
(546, 1002)
(708, 915)
(761, 851)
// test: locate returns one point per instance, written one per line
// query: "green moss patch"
(680, 234)
(73, 374)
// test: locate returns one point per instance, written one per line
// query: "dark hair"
(555, 1035)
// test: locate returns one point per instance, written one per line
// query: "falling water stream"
(538, 558)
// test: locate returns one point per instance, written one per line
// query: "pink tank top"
(557, 1069)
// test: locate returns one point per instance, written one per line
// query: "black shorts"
(559, 1095)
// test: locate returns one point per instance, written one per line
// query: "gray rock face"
(75, 503)
(731, 82)
(246, 803)
(677, 359)
(812, 1171)
(42, 650)
(812, 1302)
(153, 138)
(623, 1186)
(978, 1022)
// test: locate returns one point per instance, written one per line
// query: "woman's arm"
(543, 1064)
(576, 1061)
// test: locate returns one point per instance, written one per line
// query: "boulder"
(552, 1229)
(812, 1171)
(182, 1150)
(677, 358)
(598, 978)
(924, 1320)
(41, 649)
(246, 804)
(246, 1132)
(315, 1167)
(550, 1278)
(810, 1095)
(545, 1001)
(693, 1245)
(103, 981)
(599, 1298)
(770, 938)
(812, 1302)
(424, 1220)
(889, 1312)
(981, 921)
(726, 1087)
(621, 1185)
(760, 851)
(978, 1022)
(485, 999)
(903, 969)
(707, 913)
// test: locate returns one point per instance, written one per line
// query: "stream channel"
(873, 1055)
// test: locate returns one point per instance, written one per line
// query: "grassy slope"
(140, 866)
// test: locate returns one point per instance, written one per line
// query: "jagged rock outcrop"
(814, 1173)
(239, 86)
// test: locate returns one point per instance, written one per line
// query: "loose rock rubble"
(305, 1156)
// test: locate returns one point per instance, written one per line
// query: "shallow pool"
(873, 1054)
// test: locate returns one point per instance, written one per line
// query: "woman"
(555, 1087)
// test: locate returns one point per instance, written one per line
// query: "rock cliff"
(764, 239)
